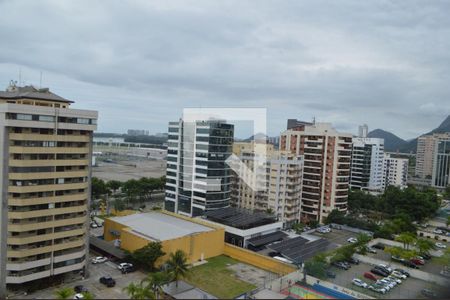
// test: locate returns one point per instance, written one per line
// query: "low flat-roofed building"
(242, 225)
(199, 240)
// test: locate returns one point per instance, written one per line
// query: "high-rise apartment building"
(285, 187)
(441, 168)
(426, 153)
(326, 172)
(367, 164)
(198, 178)
(46, 150)
(395, 171)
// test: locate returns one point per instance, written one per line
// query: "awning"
(108, 247)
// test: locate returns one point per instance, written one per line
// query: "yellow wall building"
(197, 239)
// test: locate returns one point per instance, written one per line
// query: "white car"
(438, 231)
(78, 296)
(352, 240)
(99, 260)
(398, 275)
(394, 279)
(440, 245)
(389, 284)
(359, 282)
(386, 267)
(123, 265)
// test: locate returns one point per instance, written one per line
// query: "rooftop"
(159, 226)
(30, 92)
(239, 218)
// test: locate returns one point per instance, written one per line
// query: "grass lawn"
(214, 278)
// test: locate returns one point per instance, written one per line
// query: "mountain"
(391, 141)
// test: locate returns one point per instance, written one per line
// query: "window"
(24, 117)
(46, 118)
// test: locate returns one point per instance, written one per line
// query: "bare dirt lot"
(125, 169)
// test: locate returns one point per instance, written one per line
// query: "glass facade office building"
(198, 178)
(441, 167)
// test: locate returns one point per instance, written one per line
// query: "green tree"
(98, 188)
(155, 282)
(269, 211)
(177, 265)
(298, 227)
(118, 204)
(406, 238)
(343, 253)
(114, 185)
(317, 266)
(88, 296)
(147, 256)
(64, 293)
(444, 260)
(401, 252)
(424, 246)
(139, 291)
(335, 216)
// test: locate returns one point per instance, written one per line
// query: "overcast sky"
(384, 63)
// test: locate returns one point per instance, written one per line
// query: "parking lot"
(93, 285)
(409, 288)
(337, 236)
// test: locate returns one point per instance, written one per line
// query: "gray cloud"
(140, 62)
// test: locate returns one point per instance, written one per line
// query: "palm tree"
(425, 246)
(156, 281)
(138, 291)
(64, 293)
(177, 265)
(406, 238)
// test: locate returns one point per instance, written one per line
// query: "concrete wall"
(258, 260)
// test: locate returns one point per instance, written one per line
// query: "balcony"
(33, 238)
(48, 137)
(28, 277)
(48, 162)
(46, 200)
(48, 175)
(40, 250)
(48, 187)
(70, 255)
(46, 212)
(70, 268)
(21, 266)
(48, 150)
(49, 224)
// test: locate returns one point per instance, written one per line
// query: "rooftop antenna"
(314, 120)
(40, 81)
(20, 76)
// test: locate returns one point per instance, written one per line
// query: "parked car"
(402, 271)
(353, 260)
(394, 279)
(378, 288)
(323, 229)
(386, 267)
(108, 281)
(78, 296)
(99, 259)
(396, 258)
(359, 282)
(331, 274)
(94, 225)
(441, 246)
(79, 289)
(425, 256)
(371, 250)
(445, 273)
(383, 269)
(123, 265)
(417, 261)
(410, 264)
(352, 240)
(428, 293)
(378, 246)
(128, 269)
(341, 265)
(379, 272)
(438, 231)
(370, 276)
(387, 284)
(398, 274)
